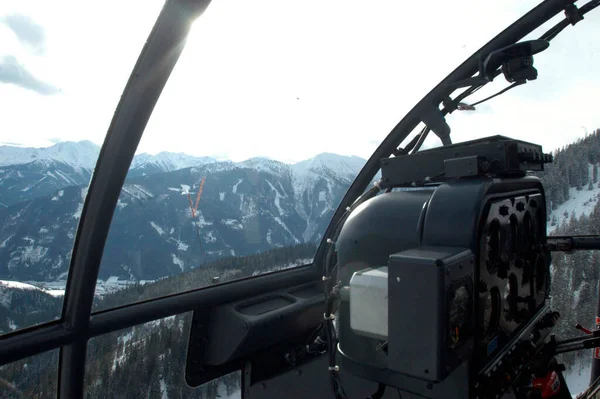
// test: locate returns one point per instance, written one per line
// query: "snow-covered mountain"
(331, 163)
(146, 164)
(38, 178)
(82, 154)
(246, 207)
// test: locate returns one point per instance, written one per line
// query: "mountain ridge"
(246, 207)
(84, 154)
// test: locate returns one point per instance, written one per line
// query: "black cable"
(409, 146)
(500, 92)
(467, 93)
(422, 138)
(379, 393)
(548, 36)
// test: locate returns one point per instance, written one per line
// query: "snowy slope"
(580, 202)
(27, 286)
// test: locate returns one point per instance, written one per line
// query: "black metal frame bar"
(157, 60)
(149, 76)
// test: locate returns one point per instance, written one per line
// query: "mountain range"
(246, 207)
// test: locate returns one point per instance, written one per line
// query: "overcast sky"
(282, 79)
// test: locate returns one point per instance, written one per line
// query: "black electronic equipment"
(491, 156)
(444, 286)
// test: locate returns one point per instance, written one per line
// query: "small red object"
(582, 328)
(548, 385)
(465, 107)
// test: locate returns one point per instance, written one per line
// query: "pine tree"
(155, 389)
(590, 186)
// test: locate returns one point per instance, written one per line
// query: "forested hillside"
(574, 166)
(147, 361)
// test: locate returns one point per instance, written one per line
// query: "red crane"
(192, 206)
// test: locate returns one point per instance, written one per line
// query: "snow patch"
(137, 191)
(235, 186)
(185, 189)
(34, 184)
(121, 204)
(277, 200)
(278, 220)
(233, 223)
(177, 261)
(3, 243)
(173, 189)
(158, 229)
(181, 246)
(26, 256)
(144, 191)
(12, 326)
(163, 389)
(60, 194)
(201, 221)
(55, 293)
(31, 287)
(210, 236)
(83, 194)
(269, 239)
(43, 230)
(325, 210)
(322, 196)
(64, 177)
(18, 285)
(221, 196)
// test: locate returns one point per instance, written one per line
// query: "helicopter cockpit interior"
(304, 200)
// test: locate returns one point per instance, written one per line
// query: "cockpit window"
(63, 66)
(256, 137)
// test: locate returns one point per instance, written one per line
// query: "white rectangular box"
(369, 302)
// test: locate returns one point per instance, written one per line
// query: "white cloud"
(288, 81)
